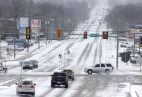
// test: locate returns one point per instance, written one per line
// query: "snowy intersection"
(83, 52)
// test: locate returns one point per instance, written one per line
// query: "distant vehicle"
(27, 65)
(3, 68)
(123, 45)
(69, 73)
(132, 50)
(133, 59)
(34, 63)
(20, 42)
(25, 87)
(17, 48)
(99, 68)
(126, 41)
(59, 78)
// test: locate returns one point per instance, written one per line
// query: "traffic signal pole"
(117, 51)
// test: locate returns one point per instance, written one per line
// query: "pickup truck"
(59, 78)
(99, 68)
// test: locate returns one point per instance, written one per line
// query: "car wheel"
(36, 66)
(5, 71)
(52, 85)
(90, 71)
(73, 79)
(66, 85)
(17, 93)
(134, 62)
(33, 94)
(107, 71)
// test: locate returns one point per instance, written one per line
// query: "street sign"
(94, 35)
(36, 23)
(24, 22)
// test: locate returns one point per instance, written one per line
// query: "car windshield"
(26, 82)
(59, 74)
(33, 60)
(26, 62)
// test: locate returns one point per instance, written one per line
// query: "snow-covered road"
(83, 52)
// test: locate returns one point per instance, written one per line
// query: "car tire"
(66, 85)
(52, 85)
(134, 62)
(107, 71)
(73, 79)
(33, 94)
(89, 71)
(17, 93)
(36, 66)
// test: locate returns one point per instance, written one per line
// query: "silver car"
(27, 65)
(34, 63)
(25, 87)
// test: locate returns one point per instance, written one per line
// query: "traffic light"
(125, 56)
(105, 35)
(85, 35)
(59, 33)
(28, 33)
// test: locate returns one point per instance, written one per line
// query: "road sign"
(24, 22)
(36, 23)
(94, 35)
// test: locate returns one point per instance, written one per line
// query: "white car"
(25, 87)
(99, 68)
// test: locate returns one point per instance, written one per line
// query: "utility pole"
(29, 17)
(14, 46)
(134, 46)
(117, 51)
(46, 31)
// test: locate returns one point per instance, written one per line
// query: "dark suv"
(59, 78)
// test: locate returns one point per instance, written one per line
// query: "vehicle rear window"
(26, 82)
(67, 71)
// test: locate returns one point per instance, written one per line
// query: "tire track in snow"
(51, 58)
